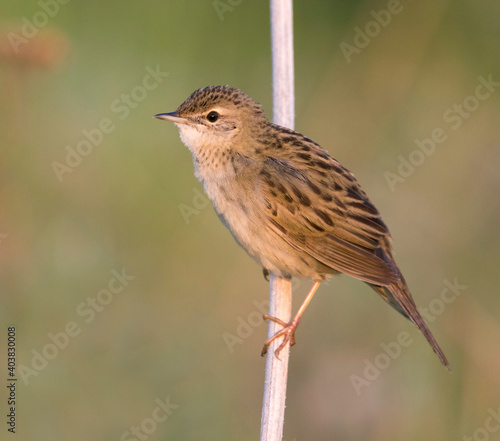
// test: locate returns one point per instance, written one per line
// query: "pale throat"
(210, 154)
(191, 136)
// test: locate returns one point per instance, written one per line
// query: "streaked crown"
(207, 98)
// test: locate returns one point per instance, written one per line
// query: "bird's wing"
(318, 207)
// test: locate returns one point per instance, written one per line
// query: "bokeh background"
(185, 328)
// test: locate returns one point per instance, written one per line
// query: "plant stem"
(280, 294)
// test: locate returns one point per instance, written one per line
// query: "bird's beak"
(172, 116)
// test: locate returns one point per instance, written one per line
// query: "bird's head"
(215, 116)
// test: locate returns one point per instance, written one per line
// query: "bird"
(293, 207)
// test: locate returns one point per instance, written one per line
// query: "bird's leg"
(288, 331)
(265, 271)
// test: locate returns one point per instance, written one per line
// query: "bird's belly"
(234, 205)
(268, 248)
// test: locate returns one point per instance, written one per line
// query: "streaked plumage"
(287, 202)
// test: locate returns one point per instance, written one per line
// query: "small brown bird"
(287, 202)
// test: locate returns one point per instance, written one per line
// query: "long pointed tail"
(399, 297)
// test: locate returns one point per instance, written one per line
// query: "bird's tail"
(399, 297)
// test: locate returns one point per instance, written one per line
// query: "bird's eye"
(213, 116)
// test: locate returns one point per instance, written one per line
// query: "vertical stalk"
(280, 294)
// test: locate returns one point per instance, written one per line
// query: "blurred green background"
(187, 326)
